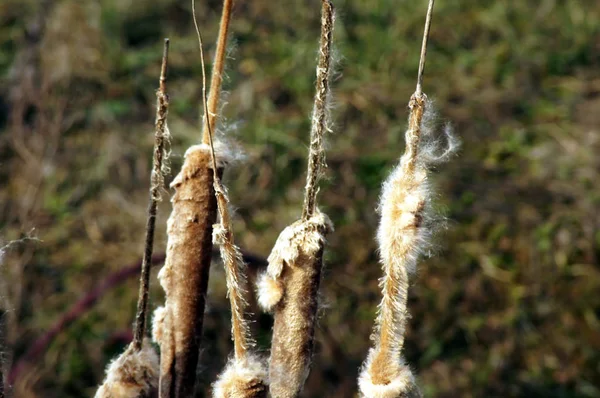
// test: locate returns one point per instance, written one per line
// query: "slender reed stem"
(419, 89)
(316, 157)
(217, 72)
(162, 109)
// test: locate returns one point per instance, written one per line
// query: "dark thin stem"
(316, 157)
(419, 90)
(162, 108)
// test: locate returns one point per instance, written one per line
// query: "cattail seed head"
(295, 266)
(246, 378)
(401, 385)
(404, 234)
(133, 374)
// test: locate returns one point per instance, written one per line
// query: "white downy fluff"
(299, 238)
(247, 378)
(402, 386)
(132, 374)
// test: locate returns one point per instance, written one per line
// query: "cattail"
(133, 374)
(290, 285)
(178, 325)
(404, 234)
(184, 277)
(245, 375)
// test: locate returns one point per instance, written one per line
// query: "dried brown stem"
(316, 157)
(217, 71)
(161, 131)
(419, 89)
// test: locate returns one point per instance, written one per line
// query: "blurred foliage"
(509, 304)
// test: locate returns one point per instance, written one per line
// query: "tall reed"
(290, 285)
(178, 325)
(135, 372)
(404, 235)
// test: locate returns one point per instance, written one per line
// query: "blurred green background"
(508, 306)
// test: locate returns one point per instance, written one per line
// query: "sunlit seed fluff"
(403, 385)
(246, 378)
(300, 237)
(158, 324)
(132, 374)
(270, 291)
(404, 234)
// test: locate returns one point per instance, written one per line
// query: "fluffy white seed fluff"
(402, 386)
(132, 374)
(158, 324)
(270, 291)
(246, 378)
(300, 234)
(404, 234)
(305, 236)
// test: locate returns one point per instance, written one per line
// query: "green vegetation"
(509, 306)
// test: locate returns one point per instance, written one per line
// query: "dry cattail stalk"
(290, 286)
(246, 375)
(184, 277)
(178, 325)
(217, 72)
(133, 374)
(160, 166)
(403, 235)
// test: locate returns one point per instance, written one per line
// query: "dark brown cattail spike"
(290, 286)
(184, 277)
(403, 235)
(245, 375)
(178, 325)
(157, 184)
